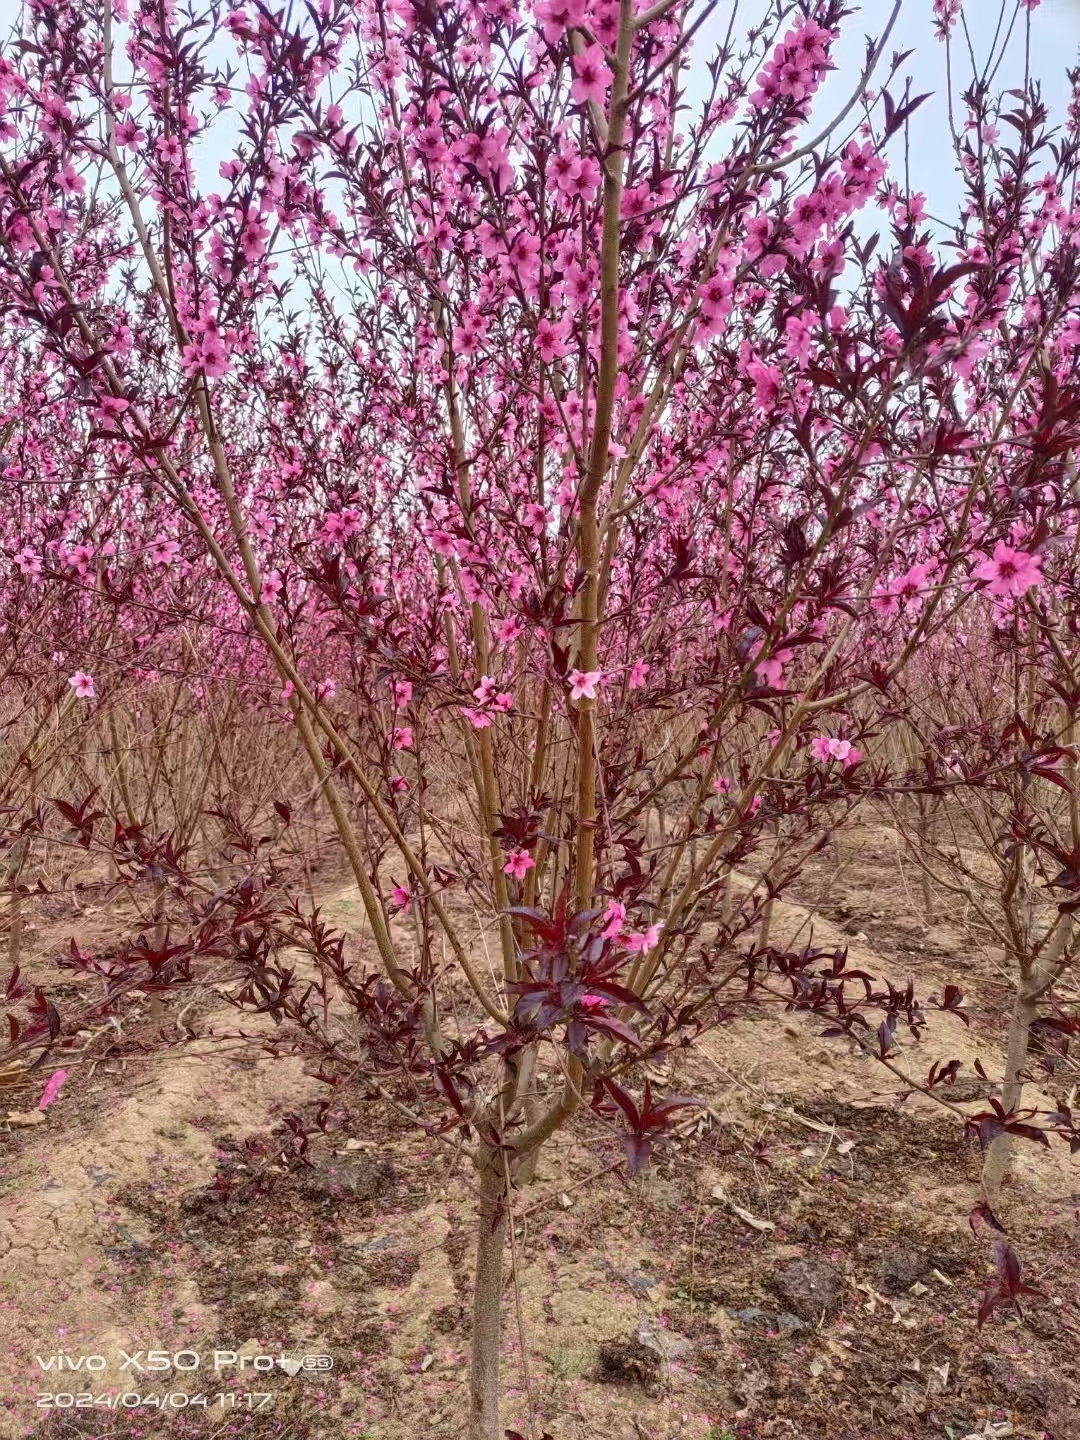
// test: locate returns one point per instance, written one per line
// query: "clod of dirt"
(448, 1318)
(357, 1177)
(641, 1284)
(899, 1268)
(1027, 1392)
(754, 1315)
(627, 1362)
(808, 1287)
(966, 1089)
(209, 1203)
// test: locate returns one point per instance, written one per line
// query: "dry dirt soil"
(801, 1266)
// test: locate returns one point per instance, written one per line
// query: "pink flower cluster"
(209, 350)
(796, 66)
(911, 587)
(339, 526)
(825, 748)
(636, 941)
(490, 700)
(946, 13)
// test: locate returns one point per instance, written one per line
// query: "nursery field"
(539, 719)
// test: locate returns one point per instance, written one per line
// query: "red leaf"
(1053, 776)
(612, 1027)
(625, 1102)
(981, 1214)
(446, 1085)
(990, 1301)
(619, 993)
(659, 1113)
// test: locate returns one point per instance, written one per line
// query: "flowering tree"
(992, 707)
(527, 415)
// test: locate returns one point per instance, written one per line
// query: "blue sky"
(1055, 45)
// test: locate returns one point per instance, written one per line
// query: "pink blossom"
(821, 748)
(520, 862)
(401, 737)
(70, 182)
(128, 134)
(592, 76)
(798, 333)
(946, 12)
(583, 684)
(716, 298)
(52, 1089)
(400, 896)
(83, 685)
(861, 166)
(771, 671)
(614, 918)
(644, 940)
(163, 551)
(970, 354)
(28, 563)
(638, 672)
(767, 384)
(170, 150)
(552, 339)
(207, 353)
(1010, 572)
(825, 748)
(885, 602)
(556, 16)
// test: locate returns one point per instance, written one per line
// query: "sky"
(1055, 45)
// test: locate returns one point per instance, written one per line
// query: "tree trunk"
(161, 935)
(15, 909)
(487, 1301)
(996, 1164)
(531, 1108)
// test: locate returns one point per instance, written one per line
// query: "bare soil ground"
(805, 1269)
